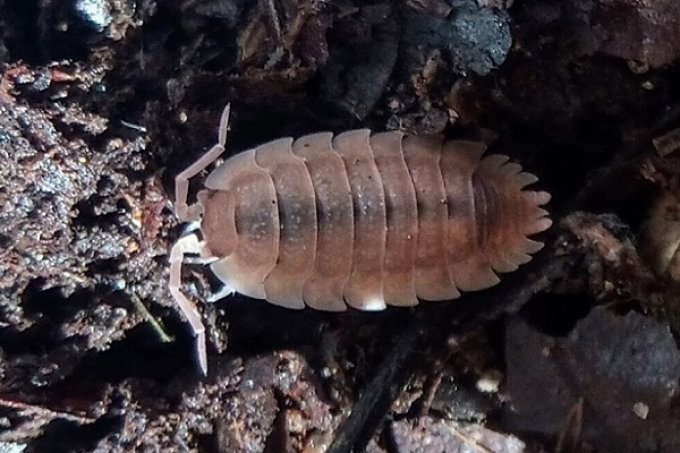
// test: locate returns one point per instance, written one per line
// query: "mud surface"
(103, 102)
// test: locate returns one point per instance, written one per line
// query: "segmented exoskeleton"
(358, 219)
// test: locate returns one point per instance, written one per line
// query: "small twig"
(570, 434)
(374, 404)
(367, 413)
(134, 126)
(430, 395)
(45, 411)
(155, 324)
(468, 441)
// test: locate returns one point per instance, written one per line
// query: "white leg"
(184, 211)
(188, 244)
(202, 260)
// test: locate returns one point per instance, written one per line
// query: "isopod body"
(362, 220)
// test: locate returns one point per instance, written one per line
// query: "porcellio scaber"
(358, 219)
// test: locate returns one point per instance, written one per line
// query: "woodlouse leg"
(182, 209)
(203, 260)
(188, 244)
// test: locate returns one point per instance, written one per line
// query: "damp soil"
(103, 102)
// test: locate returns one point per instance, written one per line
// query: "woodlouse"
(356, 219)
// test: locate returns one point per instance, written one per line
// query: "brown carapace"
(357, 219)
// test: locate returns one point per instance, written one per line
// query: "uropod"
(358, 219)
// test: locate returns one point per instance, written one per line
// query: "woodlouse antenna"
(190, 244)
(183, 211)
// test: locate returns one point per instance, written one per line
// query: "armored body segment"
(401, 215)
(323, 290)
(422, 156)
(468, 267)
(364, 289)
(297, 219)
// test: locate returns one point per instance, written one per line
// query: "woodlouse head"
(217, 224)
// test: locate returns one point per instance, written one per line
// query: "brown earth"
(102, 102)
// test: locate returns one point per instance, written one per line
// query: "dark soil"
(103, 102)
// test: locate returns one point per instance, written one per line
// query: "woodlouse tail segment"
(538, 220)
(507, 213)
